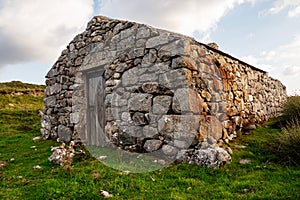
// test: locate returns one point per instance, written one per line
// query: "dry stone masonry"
(149, 90)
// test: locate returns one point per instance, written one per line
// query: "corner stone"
(64, 133)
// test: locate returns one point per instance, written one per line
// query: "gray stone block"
(64, 133)
(140, 102)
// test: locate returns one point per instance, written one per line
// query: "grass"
(17, 86)
(20, 102)
(287, 144)
(263, 178)
(15, 96)
(291, 110)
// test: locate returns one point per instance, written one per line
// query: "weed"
(287, 144)
(290, 112)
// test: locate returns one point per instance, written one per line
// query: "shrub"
(291, 109)
(289, 114)
(287, 144)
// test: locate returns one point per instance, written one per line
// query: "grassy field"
(17, 86)
(15, 96)
(266, 177)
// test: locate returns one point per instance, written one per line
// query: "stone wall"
(163, 92)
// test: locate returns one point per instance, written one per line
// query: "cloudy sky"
(264, 33)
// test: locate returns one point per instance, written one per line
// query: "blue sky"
(264, 33)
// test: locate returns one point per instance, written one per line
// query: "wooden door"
(95, 109)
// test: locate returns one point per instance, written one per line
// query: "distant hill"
(20, 96)
(19, 88)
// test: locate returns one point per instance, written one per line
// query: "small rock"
(105, 194)
(36, 167)
(249, 127)
(212, 156)
(19, 177)
(245, 161)
(240, 146)
(11, 105)
(12, 159)
(152, 178)
(33, 147)
(245, 190)
(126, 172)
(213, 45)
(3, 164)
(102, 157)
(36, 139)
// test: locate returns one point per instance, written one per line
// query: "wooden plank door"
(96, 109)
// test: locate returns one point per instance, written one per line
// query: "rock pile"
(63, 155)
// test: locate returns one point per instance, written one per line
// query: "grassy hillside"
(263, 178)
(17, 86)
(16, 95)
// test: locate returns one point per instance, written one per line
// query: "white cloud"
(250, 59)
(286, 54)
(291, 71)
(37, 30)
(186, 17)
(281, 63)
(293, 7)
(295, 12)
(250, 36)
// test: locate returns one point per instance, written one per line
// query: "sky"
(263, 33)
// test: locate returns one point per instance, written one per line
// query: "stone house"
(144, 89)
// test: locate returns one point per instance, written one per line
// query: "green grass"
(18, 86)
(263, 178)
(20, 102)
(14, 96)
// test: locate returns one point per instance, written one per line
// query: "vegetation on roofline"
(26, 173)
